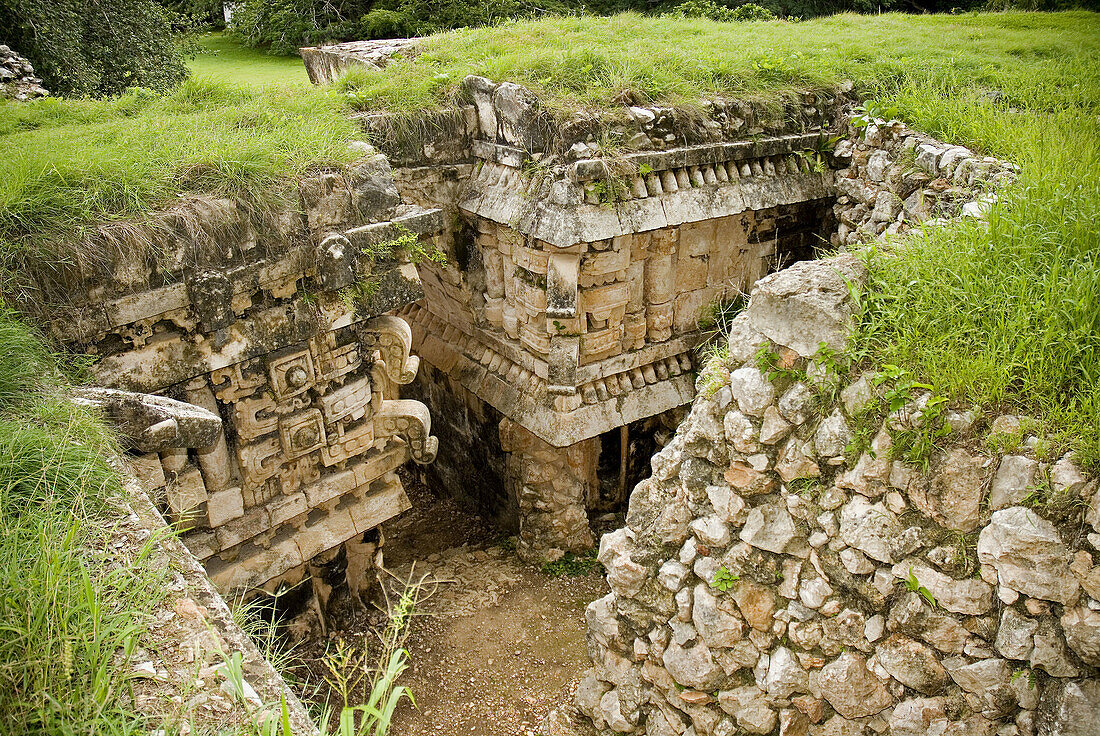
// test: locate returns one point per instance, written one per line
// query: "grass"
(590, 62)
(72, 163)
(223, 58)
(1005, 315)
(68, 618)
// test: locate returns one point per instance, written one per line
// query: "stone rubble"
(17, 78)
(891, 178)
(759, 589)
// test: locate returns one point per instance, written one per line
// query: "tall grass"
(68, 616)
(1006, 313)
(73, 162)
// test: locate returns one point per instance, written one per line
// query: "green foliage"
(70, 614)
(713, 11)
(914, 585)
(724, 579)
(140, 151)
(95, 47)
(349, 671)
(1004, 314)
(591, 61)
(222, 56)
(921, 431)
(407, 246)
(285, 25)
(573, 565)
(715, 357)
(772, 365)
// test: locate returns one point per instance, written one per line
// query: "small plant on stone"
(716, 369)
(916, 444)
(573, 565)
(724, 579)
(1028, 673)
(831, 368)
(914, 585)
(770, 364)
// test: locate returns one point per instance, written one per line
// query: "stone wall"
(791, 567)
(576, 279)
(891, 178)
(273, 322)
(468, 429)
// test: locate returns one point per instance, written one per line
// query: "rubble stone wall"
(791, 568)
(17, 78)
(891, 178)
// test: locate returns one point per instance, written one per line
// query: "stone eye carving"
(297, 377)
(291, 373)
(301, 433)
(305, 437)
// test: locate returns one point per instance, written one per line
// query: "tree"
(95, 48)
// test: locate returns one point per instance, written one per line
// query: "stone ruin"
(17, 78)
(561, 349)
(277, 429)
(255, 361)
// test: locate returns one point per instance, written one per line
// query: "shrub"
(284, 25)
(752, 11)
(712, 10)
(95, 48)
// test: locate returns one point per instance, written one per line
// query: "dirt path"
(501, 644)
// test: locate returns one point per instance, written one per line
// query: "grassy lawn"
(227, 60)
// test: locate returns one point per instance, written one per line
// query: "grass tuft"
(69, 616)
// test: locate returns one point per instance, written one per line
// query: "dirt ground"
(497, 643)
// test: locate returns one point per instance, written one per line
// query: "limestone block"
(658, 279)
(148, 470)
(954, 496)
(152, 423)
(851, 689)
(223, 506)
(186, 494)
(1028, 555)
(659, 321)
(912, 664)
(806, 304)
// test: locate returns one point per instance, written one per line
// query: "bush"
(712, 10)
(94, 48)
(285, 25)
(752, 11)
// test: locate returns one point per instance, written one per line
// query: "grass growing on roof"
(71, 163)
(68, 619)
(589, 61)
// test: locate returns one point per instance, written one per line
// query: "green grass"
(69, 618)
(1004, 315)
(589, 61)
(224, 58)
(72, 163)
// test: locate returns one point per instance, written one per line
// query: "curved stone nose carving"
(411, 421)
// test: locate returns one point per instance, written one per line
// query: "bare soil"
(497, 643)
